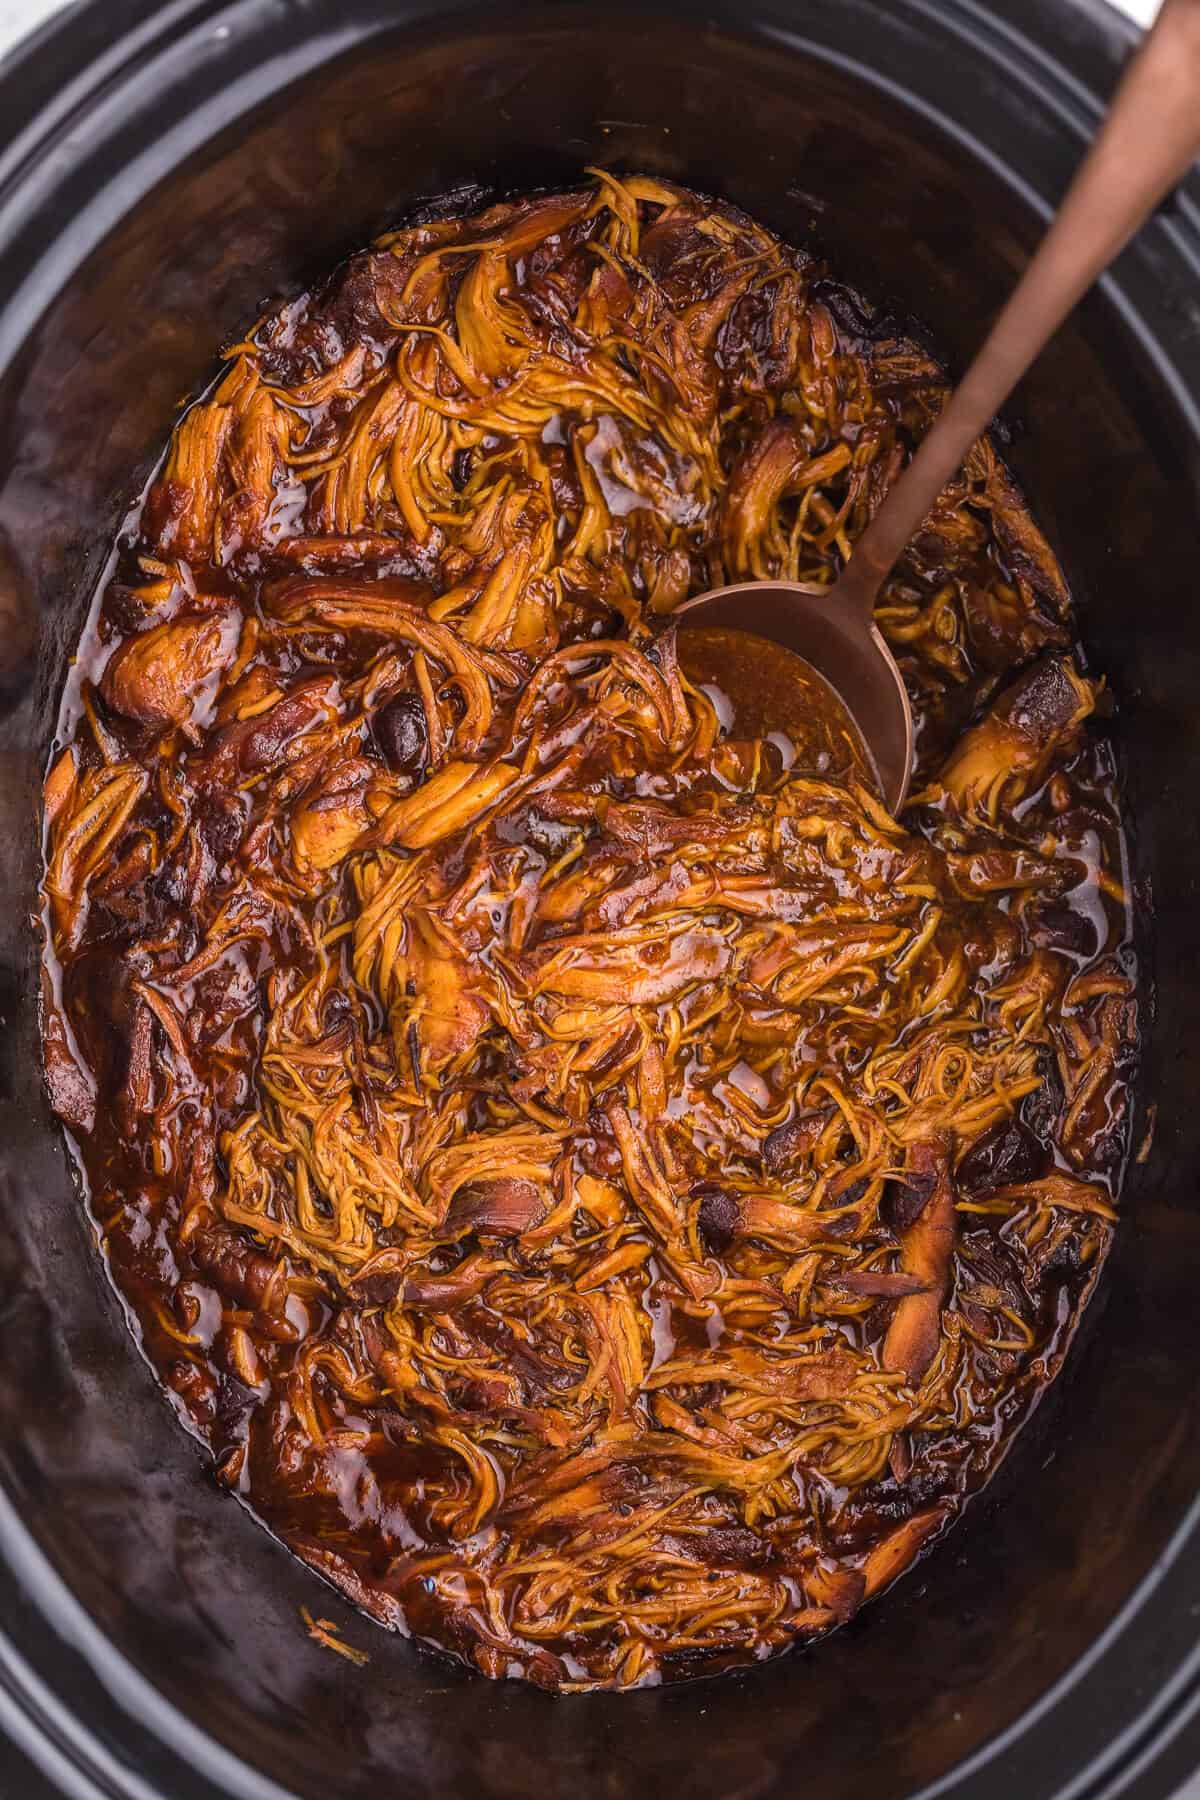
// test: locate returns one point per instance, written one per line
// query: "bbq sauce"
(603, 1192)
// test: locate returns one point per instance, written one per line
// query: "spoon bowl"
(844, 651)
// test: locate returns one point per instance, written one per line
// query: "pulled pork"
(603, 1189)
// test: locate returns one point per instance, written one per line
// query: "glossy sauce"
(763, 691)
(604, 1193)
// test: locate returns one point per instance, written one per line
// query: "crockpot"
(170, 167)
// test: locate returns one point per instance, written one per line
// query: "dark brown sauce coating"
(762, 690)
(603, 1191)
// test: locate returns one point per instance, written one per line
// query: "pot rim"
(72, 70)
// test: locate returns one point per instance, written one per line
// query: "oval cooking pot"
(170, 167)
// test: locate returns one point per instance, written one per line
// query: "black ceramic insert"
(169, 168)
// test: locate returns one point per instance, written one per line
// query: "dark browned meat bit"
(603, 1190)
(401, 733)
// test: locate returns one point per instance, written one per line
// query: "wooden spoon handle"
(1149, 137)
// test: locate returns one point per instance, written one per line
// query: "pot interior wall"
(185, 1585)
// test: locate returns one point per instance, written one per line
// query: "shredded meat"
(604, 1190)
